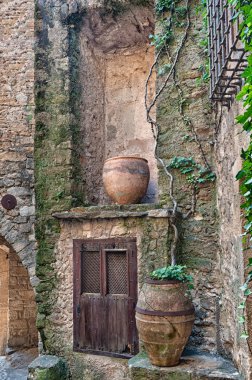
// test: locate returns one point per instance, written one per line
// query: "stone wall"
(60, 183)
(150, 229)
(17, 128)
(229, 142)
(17, 306)
(4, 301)
(22, 306)
(186, 122)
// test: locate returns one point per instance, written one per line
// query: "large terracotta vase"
(164, 317)
(126, 179)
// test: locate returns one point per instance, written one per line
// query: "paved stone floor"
(193, 366)
(14, 366)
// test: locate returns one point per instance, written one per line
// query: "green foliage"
(169, 15)
(195, 173)
(204, 69)
(172, 272)
(244, 10)
(164, 69)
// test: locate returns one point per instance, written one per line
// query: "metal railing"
(226, 52)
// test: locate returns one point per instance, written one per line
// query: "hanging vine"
(171, 15)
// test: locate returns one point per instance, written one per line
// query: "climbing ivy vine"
(244, 9)
(173, 24)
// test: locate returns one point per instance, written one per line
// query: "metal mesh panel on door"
(117, 272)
(90, 272)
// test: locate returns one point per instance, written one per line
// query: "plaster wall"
(115, 59)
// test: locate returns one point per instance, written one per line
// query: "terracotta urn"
(126, 179)
(164, 317)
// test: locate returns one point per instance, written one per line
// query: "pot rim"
(163, 282)
(127, 157)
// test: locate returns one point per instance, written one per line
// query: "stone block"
(48, 367)
(27, 211)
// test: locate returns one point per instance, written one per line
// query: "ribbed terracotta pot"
(126, 179)
(164, 317)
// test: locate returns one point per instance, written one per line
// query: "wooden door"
(105, 295)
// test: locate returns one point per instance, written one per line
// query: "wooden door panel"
(122, 325)
(105, 292)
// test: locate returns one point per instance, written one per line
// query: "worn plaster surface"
(115, 59)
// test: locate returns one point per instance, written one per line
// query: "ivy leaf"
(242, 305)
(247, 292)
(244, 335)
(241, 174)
(248, 182)
(247, 194)
(249, 262)
(241, 319)
(248, 225)
(244, 287)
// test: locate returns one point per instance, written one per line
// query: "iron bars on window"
(226, 52)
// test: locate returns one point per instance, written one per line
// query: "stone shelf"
(193, 366)
(114, 211)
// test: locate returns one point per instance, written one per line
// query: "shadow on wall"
(17, 303)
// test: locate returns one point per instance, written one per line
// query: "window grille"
(226, 52)
(116, 268)
(90, 272)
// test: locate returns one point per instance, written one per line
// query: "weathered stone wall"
(60, 182)
(151, 234)
(53, 169)
(188, 134)
(17, 305)
(229, 143)
(17, 128)
(4, 300)
(22, 306)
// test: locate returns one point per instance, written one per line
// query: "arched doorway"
(17, 303)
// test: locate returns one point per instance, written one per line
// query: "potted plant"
(165, 314)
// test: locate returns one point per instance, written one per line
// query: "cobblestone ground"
(7, 372)
(14, 367)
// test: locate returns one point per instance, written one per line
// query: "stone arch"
(17, 303)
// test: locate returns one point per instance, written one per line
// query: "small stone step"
(48, 367)
(193, 366)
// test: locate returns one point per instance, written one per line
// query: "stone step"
(193, 366)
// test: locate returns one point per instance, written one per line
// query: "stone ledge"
(193, 366)
(114, 211)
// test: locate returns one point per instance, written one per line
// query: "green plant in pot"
(165, 314)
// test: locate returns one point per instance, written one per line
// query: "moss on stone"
(48, 368)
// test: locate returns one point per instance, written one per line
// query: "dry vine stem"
(155, 126)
